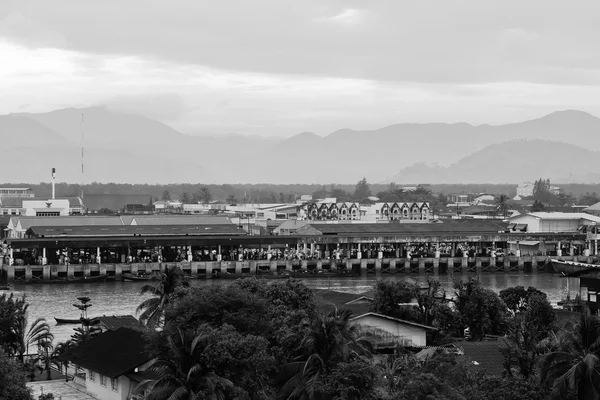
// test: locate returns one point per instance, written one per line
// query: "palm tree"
(328, 339)
(167, 282)
(38, 334)
(502, 202)
(575, 365)
(180, 376)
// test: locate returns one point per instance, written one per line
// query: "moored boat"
(86, 279)
(67, 320)
(568, 267)
(127, 277)
(323, 274)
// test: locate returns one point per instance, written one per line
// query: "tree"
(88, 328)
(204, 196)
(479, 309)
(328, 340)
(231, 199)
(37, 335)
(166, 196)
(428, 300)
(12, 380)
(537, 206)
(180, 375)
(166, 284)
(502, 202)
(517, 298)
(362, 190)
(388, 296)
(575, 365)
(185, 198)
(10, 310)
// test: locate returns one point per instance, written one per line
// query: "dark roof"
(114, 202)
(134, 230)
(337, 298)
(4, 220)
(398, 320)
(166, 219)
(485, 354)
(466, 226)
(112, 353)
(120, 321)
(13, 202)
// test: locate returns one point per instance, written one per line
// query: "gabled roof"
(400, 321)
(593, 207)
(559, 216)
(134, 230)
(490, 226)
(112, 353)
(120, 321)
(340, 298)
(28, 222)
(180, 220)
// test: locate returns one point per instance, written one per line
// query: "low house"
(112, 362)
(390, 329)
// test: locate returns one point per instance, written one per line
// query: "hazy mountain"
(124, 147)
(511, 162)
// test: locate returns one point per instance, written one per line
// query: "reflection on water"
(118, 298)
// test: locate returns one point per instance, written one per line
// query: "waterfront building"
(330, 210)
(16, 192)
(535, 222)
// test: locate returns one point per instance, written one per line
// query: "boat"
(127, 277)
(567, 267)
(67, 320)
(323, 274)
(88, 279)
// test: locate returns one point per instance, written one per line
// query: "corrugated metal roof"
(132, 230)
(452, 226)
(28, 222)
(180, 220)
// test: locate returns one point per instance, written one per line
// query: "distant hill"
(512, 161)
(124, 147)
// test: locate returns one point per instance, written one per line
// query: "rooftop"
(180, 220)
(400, 321)
(559, 216)
(119, 321)
(112, 353)
(133, 230)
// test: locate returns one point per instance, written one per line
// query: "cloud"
(349, 16)
(24, 30)
(161, 106)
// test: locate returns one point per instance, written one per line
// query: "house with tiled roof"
(110, 363)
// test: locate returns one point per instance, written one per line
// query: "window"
(102, 380)
(114, 384)
(91, 376)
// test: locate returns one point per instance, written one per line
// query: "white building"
(406, 332)
(525, 189)
(557, 222)
(16, 192)
(46, 208)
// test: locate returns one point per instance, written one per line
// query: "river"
(119, 298)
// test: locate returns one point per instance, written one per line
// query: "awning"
(578, 242)
(511, 227)
(521, 227)
(529, 242)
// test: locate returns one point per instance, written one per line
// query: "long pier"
(383, 266)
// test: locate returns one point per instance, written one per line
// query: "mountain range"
(119, 147)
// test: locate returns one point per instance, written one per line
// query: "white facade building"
(525, 189)
(557, 222)
(46, 208)
(409, 333)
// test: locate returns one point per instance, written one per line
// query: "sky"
(279, 67)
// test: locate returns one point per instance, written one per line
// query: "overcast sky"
(278, 67)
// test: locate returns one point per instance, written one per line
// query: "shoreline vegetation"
(260, 340)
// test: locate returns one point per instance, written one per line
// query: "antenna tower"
(82, 157)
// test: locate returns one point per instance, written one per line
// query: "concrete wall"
(106, 392)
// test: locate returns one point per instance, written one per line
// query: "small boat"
(67, 320)
(323, 274)
(568, 267)
(127, 277)
(88, 279)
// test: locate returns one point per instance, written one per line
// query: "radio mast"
(82, 180)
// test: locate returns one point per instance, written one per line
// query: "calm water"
(118, 298)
